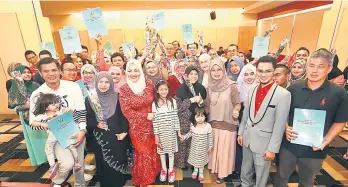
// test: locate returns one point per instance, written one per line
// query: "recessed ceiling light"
(208, 4)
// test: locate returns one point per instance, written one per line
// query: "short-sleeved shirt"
(328, 97)
(70, 96)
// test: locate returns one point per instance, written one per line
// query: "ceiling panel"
(50, 8)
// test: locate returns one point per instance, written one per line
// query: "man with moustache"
(71, 97)
(263, 124)
(314, 93)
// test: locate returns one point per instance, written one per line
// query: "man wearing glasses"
(263, 124)
(68, 71)
(232, 51)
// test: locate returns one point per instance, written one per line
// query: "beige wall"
(303, 30)
(340, 41)
(127, 26)
(19, 33)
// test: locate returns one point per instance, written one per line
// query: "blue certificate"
(70, 38)
(158, 21)
(187, 33)
(260, 46)
(94, 22)
(109, 48)
(309, 124)
(83, 88)
(63, 127)
(49, 46)
(128, 48)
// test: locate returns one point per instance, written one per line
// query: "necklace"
(211, 98)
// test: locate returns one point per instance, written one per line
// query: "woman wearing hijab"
(21, 89)
(11, 67)
(223, 107)
(136, 98)
(110, 142)
(118, 79)
(88, 75)
(235, 64)
(175, 80)
(298, 71)
(187, 97)
(204, 62)
(245, 81)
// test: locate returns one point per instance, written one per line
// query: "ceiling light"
(147, 6)
(208, 4)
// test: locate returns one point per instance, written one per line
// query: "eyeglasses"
(88, 73)
(70, 70)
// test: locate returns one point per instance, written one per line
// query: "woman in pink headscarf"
(118, 77)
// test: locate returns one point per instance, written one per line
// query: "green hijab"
(29, 85)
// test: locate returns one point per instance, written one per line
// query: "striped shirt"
(165, 125)
(202, 140)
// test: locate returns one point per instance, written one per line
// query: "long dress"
(180, 157)
(111, 153)
(136, 109)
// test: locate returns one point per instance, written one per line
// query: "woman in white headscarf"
(204, 62)
(88, 76)
(246, 80)
(136, 98)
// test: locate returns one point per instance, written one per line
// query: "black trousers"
(308, 168)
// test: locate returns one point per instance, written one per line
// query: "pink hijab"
(118, 85)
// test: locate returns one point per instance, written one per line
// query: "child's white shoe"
(163, 175)
(171, 176)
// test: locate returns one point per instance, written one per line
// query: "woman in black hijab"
(188, 96)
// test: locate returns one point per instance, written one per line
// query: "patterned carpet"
(15, 168)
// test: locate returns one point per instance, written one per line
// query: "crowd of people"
(221, 109)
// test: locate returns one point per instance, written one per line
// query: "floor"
(16, 171)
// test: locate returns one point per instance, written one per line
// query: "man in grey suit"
(263, 124)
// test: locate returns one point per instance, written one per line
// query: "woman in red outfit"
(136, 98)
(175, 80)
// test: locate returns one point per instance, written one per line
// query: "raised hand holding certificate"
(187, 33)
(309, 124)
(70, 38)
(158, 20)
(260, 46)
(94, 22)
(63, 127)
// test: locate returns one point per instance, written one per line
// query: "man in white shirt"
(71, 97)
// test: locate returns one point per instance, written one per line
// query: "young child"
(46, 108)
(166, 127)
(201, 143)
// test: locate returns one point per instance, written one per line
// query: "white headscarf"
(91, 83)
(138, 86)
(244, 87)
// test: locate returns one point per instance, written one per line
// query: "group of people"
(198, 106)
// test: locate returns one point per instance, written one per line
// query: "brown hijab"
(221, 84)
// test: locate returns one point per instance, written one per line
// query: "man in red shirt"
(32, 59)
(263, 124)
